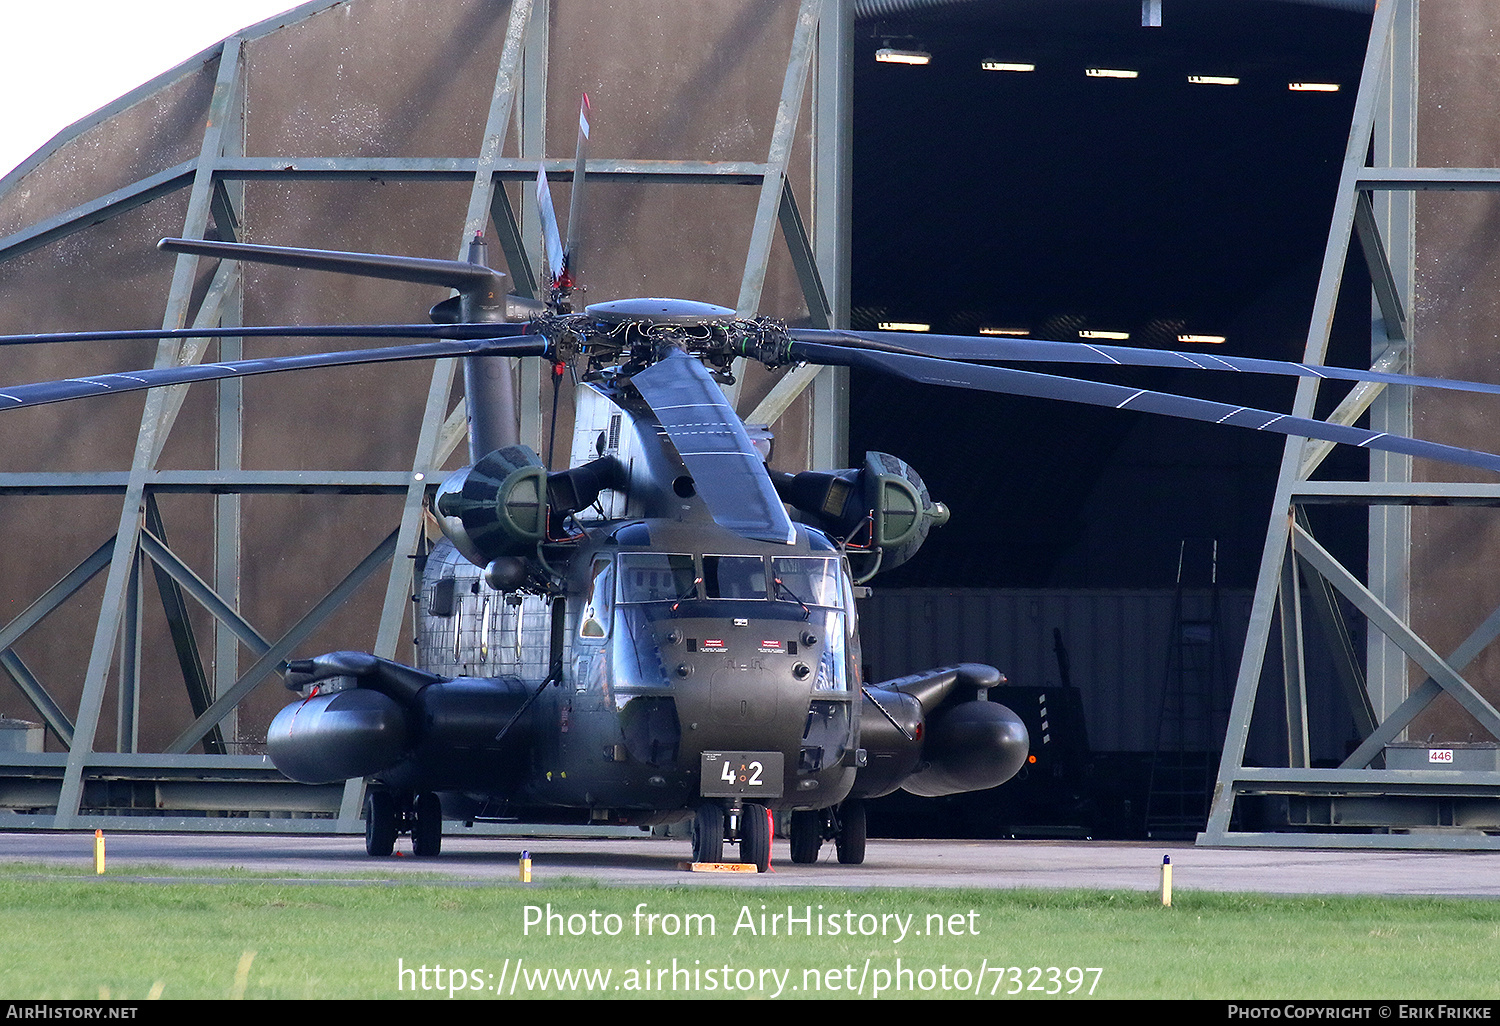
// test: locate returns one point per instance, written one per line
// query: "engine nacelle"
(497, 508)
(883, 506)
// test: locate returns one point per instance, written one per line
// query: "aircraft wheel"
(380, 823)
(755, 837)
(807, 836)
(708, 833)
(851, 836)
(427, 829)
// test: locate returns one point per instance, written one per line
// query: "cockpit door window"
(594, 623)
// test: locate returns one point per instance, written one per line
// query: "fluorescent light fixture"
(1006, 66)
(1005, 331)
(1213, 80)
(1111, 73)
(904, 326)
(1313, 87)
(1208, 340)
(890, 55)
(1117, 335)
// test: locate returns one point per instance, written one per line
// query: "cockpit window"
(596, 614)
(656, 576)
(813, 580)
(734, 577)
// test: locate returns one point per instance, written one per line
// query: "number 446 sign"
(726, 774)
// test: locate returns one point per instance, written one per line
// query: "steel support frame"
(1375, 205)
(255, 798)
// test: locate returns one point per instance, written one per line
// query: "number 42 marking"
(753, 772)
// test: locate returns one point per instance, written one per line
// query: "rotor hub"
(652, 311)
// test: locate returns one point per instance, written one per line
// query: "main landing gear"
(844, 825)
(750, 825)
(389, 814)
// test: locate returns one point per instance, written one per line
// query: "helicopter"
(666, 630)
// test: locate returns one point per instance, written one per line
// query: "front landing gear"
(708, 833)
(388, 815)
(749, 826)
(755, 837)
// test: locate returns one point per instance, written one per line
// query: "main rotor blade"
(708, 435)
(462, 331)
(1015, 350)
(575, 198)
(454, 274)
(15, 397)
(548, 215)
(930, 371)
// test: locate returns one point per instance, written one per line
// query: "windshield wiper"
(691, 591)
(781, 586)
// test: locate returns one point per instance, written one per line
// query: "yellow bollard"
(1166, 880)
(526, 867)
(98, 851)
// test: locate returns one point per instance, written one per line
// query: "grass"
(68, 936)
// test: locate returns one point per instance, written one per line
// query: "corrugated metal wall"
(1118, 644)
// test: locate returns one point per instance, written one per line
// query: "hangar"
(1165, 171)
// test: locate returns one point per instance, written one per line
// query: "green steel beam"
(51, 713)
(184, 642)
(271, 660)
(112, 607)
(86, 215)
(230, 481)
(1276, 552)
(1395, 629)
(783, 135)
(1422, 695)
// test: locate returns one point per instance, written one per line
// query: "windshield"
(655, 576)
(813, 580)
(670, 577)
(735, 577)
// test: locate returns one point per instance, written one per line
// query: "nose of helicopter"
(746, 689)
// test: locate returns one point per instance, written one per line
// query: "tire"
(807, 836)
(755, 837)
(380, 824)
(427, 825)
(850, 839)
(708, 833)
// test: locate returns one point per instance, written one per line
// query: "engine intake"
(497, 507)
(883, 505)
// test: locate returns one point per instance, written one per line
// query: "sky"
(64, 59)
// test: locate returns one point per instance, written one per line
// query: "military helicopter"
(666, 630)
